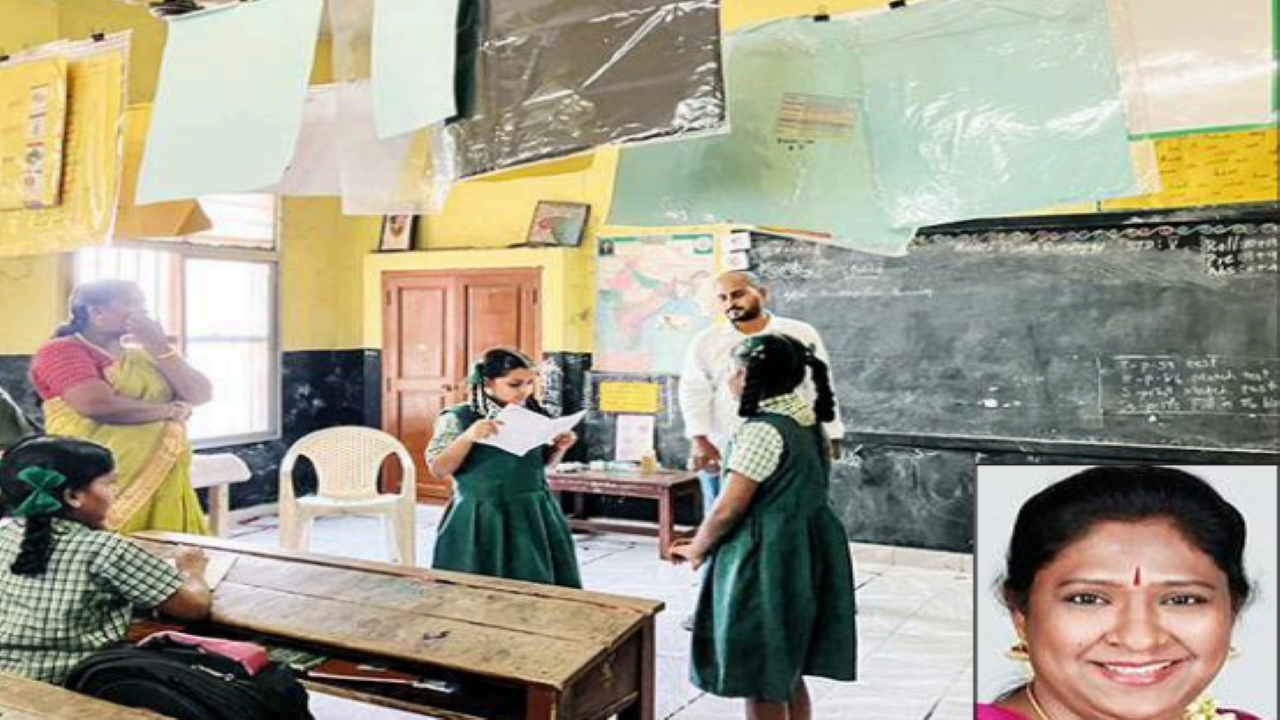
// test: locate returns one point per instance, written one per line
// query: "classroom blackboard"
(1160, 334)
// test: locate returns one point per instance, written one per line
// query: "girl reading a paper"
(503, 521)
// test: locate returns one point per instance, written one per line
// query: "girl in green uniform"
(503, 521)
(777, 603)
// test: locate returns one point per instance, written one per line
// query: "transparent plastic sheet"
(986, 108)
(314, 170)
(405, 174)
(1133, 90)
(555, 77)
(96, 88)
(796, 155)
(1204, 65)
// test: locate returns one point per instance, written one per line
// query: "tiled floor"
(914, 623)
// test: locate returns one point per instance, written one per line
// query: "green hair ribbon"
(476, 377)
(42, 500)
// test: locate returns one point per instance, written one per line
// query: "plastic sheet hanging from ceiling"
(796, 155)
(557, 77)
(984, 108)
(404, 174)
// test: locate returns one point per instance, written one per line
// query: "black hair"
(1061, 514)
(494, 364)
(776, 365)
(92, 294)
(79, 461)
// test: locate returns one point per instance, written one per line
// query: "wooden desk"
(516, 651)
(665, 486)
(23, 699)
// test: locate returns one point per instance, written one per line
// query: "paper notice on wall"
(33, 105)
(629, 397)
(91, 155)
(633, 437)
(1213, 169)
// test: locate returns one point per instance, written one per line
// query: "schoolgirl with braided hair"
(68, 587)
(502, 521)
(777, 602)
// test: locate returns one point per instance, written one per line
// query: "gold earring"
(1019, 651)
(1233, 652)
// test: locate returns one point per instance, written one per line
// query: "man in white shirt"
(710, 411)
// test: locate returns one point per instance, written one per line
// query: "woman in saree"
(134, 400)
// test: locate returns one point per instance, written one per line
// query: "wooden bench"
(217, 473)
(501, 649)
(665, 486)
(23, 699)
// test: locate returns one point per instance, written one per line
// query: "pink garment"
(991, 712)
(983, 711)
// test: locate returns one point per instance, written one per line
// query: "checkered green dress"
(503, 521)
(777, 603)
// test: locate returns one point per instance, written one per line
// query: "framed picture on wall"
(397, 233)
(558, 223)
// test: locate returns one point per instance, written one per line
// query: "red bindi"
(1137, 576)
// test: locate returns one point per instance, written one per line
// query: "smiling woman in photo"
(1124, 585)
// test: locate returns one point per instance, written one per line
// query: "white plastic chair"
(347, 461)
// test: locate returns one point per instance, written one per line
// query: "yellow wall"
(320, 274)
(27, 23)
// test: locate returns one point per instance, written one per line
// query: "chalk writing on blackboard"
(1201, 385)
(1241, 254)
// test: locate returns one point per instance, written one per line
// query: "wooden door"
(434, 325)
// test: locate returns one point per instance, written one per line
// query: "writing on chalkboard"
(1203, 385)
(1241, 254)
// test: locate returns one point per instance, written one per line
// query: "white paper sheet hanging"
(414, 54)
(229, 103)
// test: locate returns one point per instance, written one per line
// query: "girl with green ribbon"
(69, 586)
(503, 521)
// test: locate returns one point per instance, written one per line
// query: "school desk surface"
(23, 699)
(508, 649)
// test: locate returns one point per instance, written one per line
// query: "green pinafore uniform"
(503, 521)
(778, 602)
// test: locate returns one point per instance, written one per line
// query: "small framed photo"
(558, 223)
(397, 233)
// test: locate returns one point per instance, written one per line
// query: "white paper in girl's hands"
(521, 430)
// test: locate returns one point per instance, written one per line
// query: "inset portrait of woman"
(1126, 592)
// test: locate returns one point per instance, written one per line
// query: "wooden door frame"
(390, 280)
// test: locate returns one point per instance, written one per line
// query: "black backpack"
(188, 683)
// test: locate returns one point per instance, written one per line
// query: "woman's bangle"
(170, 353)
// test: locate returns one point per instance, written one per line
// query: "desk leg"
(645, 706)
(666, 524)
(220, 510)
(542, 704)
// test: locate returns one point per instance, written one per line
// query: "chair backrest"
(347, 460)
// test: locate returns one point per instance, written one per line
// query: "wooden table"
(23, 699)
(665, 486)
(513, 650)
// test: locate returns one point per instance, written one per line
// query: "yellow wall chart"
(33, 102)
